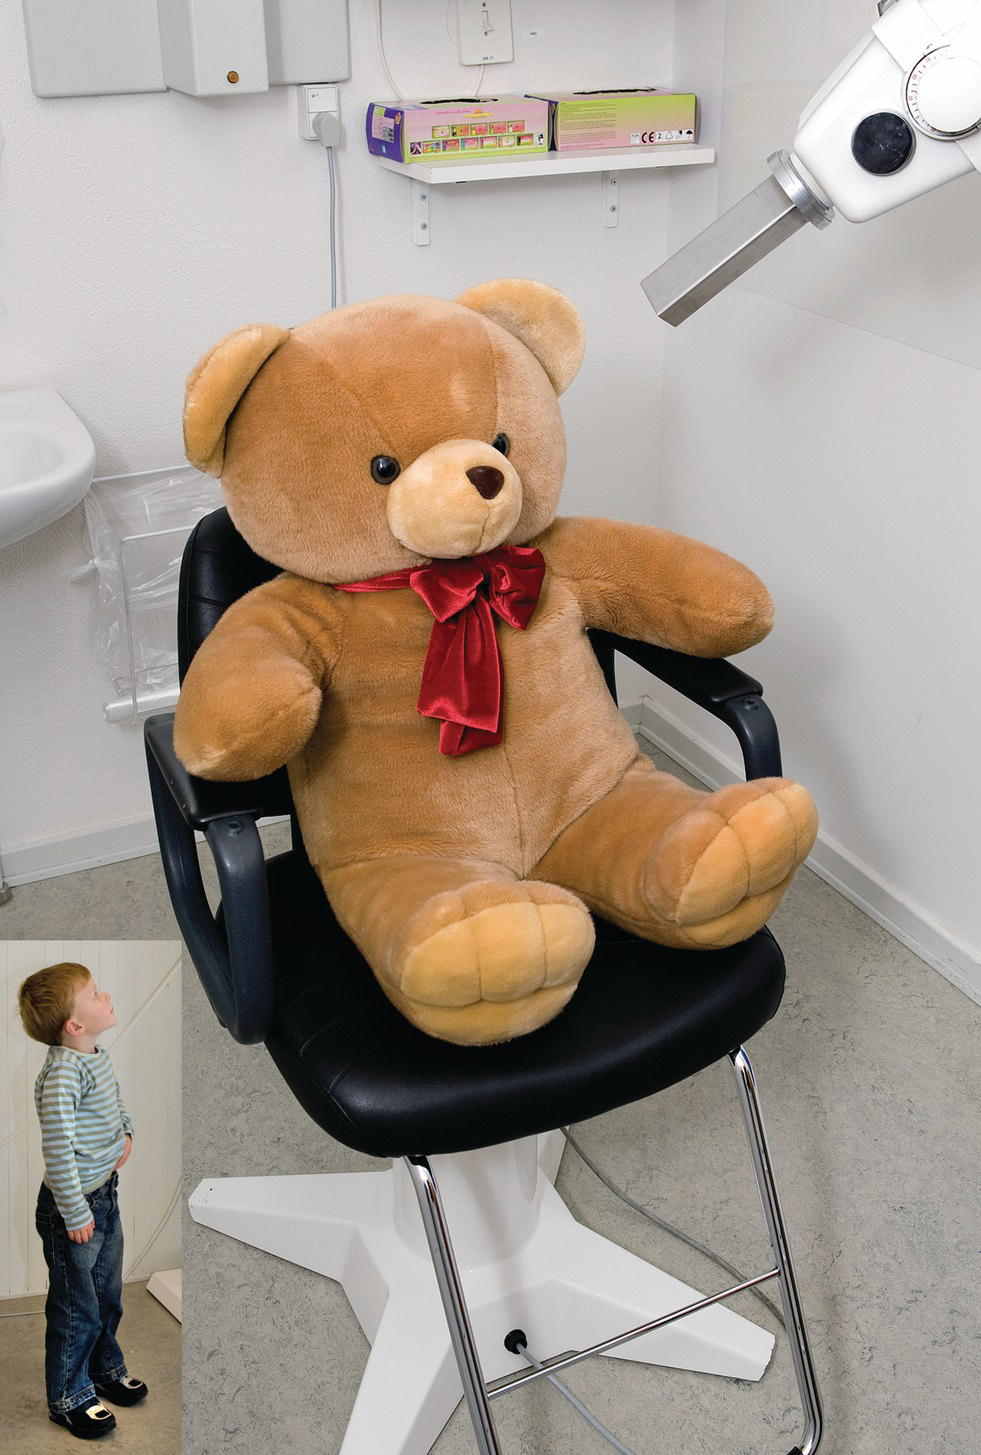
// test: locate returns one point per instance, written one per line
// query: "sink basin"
(47, 460)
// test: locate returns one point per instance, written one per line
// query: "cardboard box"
(464, 129)
(601, 120)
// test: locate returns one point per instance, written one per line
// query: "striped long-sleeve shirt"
(83, 1126)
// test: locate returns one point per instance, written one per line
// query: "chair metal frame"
(478, 1394)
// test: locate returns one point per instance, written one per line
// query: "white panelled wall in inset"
(144, 977)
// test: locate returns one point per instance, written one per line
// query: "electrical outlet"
(485, 31)
(310, 100)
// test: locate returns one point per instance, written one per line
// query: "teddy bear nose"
(487, 480)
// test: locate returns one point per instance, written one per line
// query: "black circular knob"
(882, 143)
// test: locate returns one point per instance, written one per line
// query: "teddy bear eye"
(502, 443)
(384, 469)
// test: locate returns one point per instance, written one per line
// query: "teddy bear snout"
(458, 498)
(488, 480)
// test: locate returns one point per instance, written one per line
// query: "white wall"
(821, 420)
(136, 230)
(144, 977)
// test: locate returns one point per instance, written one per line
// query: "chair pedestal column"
(524, 1260)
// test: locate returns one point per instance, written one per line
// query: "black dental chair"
(377, 1084)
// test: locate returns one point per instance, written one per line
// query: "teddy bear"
(468, 791)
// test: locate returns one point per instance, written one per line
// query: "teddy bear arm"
(655, 586)
(253, 693)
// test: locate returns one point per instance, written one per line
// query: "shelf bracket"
(420, 214)
(611, 199)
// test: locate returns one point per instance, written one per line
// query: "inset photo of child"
(90, 1168)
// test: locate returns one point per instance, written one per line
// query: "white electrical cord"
(327, 129)
(563, 1389)
(577, 1404)
(380, 37)
(670, 1228)
(332, 169)
(383, 57)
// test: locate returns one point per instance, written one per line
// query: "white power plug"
(319, 114)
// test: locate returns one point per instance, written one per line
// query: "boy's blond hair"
(47, 998)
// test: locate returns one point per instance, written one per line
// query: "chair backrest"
(216, 569)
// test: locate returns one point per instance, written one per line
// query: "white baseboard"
(167, 1288)
(830, 861)
(47, 858)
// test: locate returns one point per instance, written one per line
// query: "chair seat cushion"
(643, 1018)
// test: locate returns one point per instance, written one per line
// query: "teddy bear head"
(390, 433)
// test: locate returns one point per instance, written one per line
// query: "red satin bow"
(461, 679)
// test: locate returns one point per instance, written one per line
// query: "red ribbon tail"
(456, 739)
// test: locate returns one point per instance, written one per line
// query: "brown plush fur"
(466, 882)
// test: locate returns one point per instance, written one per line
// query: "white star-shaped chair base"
(525, 1263)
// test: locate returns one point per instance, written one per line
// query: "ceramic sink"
(47, 460)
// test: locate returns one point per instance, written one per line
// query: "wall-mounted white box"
(306, 41)
(107, 47)
(93, 47)
(214, 47)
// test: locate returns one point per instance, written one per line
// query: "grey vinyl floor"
(871, 1088)
(151, 1339)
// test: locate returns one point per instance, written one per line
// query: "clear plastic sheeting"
(137, 526)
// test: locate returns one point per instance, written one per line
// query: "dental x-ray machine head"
(900, 116)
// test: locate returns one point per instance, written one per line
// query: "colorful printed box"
(431, 131)
(600, 120)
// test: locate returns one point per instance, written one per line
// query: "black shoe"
(123, 1391)
(89, 1422)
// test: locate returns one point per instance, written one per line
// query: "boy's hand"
(82, 1235)
(124, 1157)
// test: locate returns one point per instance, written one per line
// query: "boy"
(86, 1135)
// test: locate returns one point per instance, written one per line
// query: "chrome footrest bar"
(563, 1361)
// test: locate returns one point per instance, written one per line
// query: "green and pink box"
(582, 121)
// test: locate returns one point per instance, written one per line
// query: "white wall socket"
(485, 31)
(310, 101)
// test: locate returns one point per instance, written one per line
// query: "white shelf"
(620, 159)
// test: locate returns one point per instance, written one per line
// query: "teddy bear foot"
(485, 1023)
(720, 870)
(504, 964)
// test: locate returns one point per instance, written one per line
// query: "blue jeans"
(85, 1299)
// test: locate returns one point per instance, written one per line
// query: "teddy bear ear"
(541, 317)
(216, 385)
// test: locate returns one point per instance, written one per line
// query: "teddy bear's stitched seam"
(327, 674)
(312, 644)
(726, 824)
(517, 810)
(778, 795)
(618, 916)
(342, 384)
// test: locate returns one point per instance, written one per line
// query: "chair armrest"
(712, 683)
(232, 953)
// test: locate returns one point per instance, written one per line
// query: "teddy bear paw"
(493, 962)
(720, 870)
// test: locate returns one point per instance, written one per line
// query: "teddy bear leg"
(466, 950)
(682, 866)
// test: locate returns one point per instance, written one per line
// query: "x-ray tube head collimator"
(739, 238)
